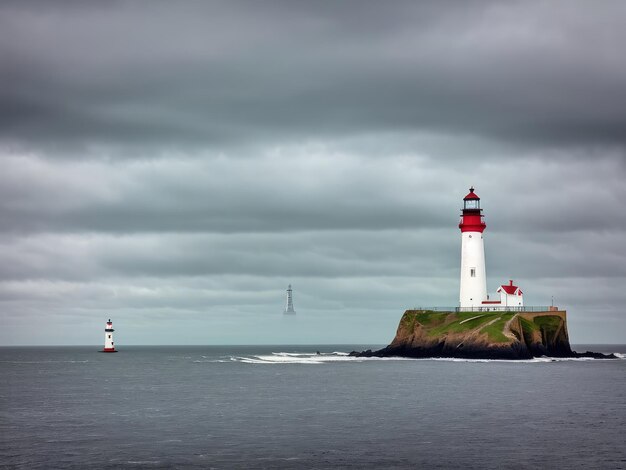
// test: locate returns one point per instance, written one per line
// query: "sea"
(306, 407)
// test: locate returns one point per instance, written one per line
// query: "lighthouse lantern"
(471, 201)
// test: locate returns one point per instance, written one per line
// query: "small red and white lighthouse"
(473, 274)
(109, 345)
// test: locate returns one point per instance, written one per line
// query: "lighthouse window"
(109, 336)
(473, 272)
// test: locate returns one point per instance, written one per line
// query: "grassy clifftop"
(491, 335)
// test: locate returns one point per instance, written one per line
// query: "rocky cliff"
(487, 335)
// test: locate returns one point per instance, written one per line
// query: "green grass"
(494, 331)
(456, 326)
(528, 325)
(408, 321)
(528, 329)
(440, 323)
(548, 325)
(551, 322)
(429, 317)
(423, 317)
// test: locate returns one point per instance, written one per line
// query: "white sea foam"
(286, 354)
(338, 356)
(211, 360)
(45, 362)
(309, 358)
(279, 358)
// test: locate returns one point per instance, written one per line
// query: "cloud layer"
(230, 73)
(175, 166)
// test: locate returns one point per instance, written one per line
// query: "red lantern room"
(472, 219)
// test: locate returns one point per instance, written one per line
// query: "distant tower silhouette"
(289, 308)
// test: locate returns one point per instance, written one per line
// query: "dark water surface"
(287, 407)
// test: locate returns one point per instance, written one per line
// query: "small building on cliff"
(510, 295)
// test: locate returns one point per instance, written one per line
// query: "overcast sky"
(174, 166)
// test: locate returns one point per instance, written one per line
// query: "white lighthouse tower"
(473, 275)
(289, 307)
(109, 346)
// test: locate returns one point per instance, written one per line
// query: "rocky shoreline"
(487, 335)
(412, 354)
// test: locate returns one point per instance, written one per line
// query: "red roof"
(471, 195)
(510, 289)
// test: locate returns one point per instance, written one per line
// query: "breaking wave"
(45, 362)
(308, 358)
(337, 356)
(294, 358)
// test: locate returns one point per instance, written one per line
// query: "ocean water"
(288, 407)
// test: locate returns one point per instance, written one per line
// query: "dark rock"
(595, 355)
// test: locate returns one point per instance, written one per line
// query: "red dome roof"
(471, 195)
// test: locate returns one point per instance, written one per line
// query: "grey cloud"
(298, 189)
(198, 74)
(176, 165)
(274, 193)
(422, 255)
(327, 254)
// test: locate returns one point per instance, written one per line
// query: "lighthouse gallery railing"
(498, 308)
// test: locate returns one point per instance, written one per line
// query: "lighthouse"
(473, 274)
(109, 346)
(289, 306)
